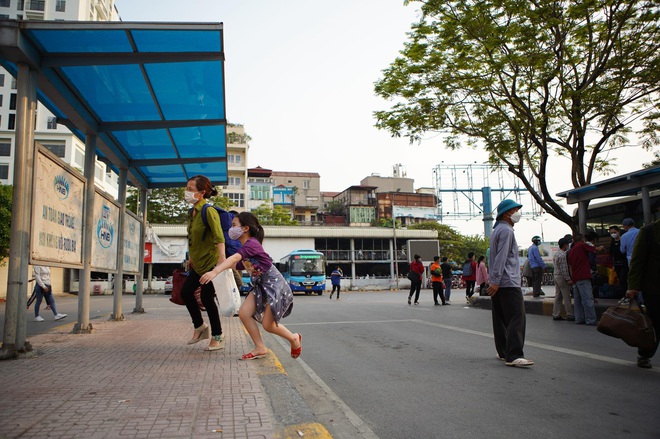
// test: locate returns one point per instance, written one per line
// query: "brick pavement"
(134, 379)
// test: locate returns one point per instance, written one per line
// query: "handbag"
(413, 277)
(226, 293)
(630, 325)
(178, 278)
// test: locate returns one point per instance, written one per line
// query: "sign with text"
(169, 250)
(105, 231)
(132, 253)
(57, 206)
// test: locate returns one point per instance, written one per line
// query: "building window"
(235, 181)
(36, 5)
(12, 101)
(237, 159)
(52, 123)
(4, 17)
(4, 172)
(13, 83)
(98, 174)
(2, 79)
(306, 184)
(11, 123)
(60, 6)
(5, 3)
(56, 148)
(5, 148)
(237, 199)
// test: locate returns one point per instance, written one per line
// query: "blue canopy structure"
(153, 94)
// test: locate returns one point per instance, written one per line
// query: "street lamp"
(395, 258)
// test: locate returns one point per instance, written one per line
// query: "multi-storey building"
(389, 184)
(358, 205)
(237, 173)
(56, 138)
(260, 187)
(305, 188)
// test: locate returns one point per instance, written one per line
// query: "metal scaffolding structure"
(458, 187)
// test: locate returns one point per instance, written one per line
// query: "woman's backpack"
(467, 268)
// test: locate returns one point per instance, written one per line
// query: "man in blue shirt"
(537, 265)
(628, 238)
(508, 308)
(336, 276)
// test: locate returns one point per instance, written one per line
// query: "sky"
(299, 76)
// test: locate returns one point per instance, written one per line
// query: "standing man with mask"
(508, 307)
(537, 265)
(628, 238)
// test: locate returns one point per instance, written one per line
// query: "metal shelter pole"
(83, 325)
(17, 276)
(396, 257)
(488, 211)
(582, 216)
(140, 283)
(646, 205)
(117, 313)
(353, 283)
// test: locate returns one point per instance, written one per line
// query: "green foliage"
(167, 206)
(655, 161)
(335, 208)
(277, 216)
(387, 222)
(6, 195)
(530, 82)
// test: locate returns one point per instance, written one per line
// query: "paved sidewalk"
(134, 379)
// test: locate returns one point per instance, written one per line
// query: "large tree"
(529, 81)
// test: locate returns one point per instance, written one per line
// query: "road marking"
(547, 347)
(540, 345)
(312, 430)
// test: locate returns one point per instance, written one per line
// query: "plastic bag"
(226, 293)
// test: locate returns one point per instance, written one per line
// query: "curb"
(292, 414)
(542, 306)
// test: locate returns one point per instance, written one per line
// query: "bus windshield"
(303, 267)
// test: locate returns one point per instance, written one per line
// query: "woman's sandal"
(201, 333)
(295, 353)
(251, 356)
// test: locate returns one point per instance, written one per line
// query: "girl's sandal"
(251, 356)
(295, 353)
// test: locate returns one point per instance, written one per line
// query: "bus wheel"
(320, 293)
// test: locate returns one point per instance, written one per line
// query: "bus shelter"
(635, 183)
(147, 98)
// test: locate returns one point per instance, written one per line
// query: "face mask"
(614, 235)
(515, 217)
(190, 197)
(235, 232)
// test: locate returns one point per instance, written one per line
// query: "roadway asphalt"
(372, 366)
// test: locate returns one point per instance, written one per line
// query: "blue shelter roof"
(152, 93)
